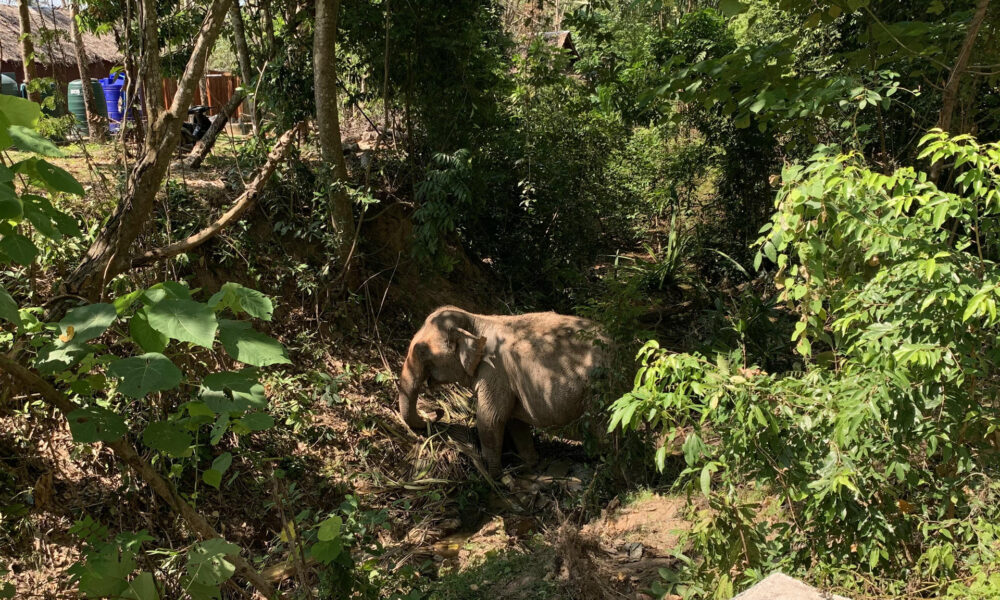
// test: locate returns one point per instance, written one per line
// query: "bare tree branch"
(239, 207)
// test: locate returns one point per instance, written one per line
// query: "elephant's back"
(550, 358)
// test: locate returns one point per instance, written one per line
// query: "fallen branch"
(240, 206)
(205, 144)
(126, 453)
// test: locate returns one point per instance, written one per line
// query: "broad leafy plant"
(157, 365)
(879, 454)
(141, 381)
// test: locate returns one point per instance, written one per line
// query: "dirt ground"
(517, 540)
(523, 536)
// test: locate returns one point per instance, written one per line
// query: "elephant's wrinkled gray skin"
(526, 370)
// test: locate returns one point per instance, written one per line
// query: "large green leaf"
(330, 543)
(141, 375)
(208, 564)
(184, 320)
(242, 299)
(123, 303)
(66, 224)
(731, 7)
(38, 212)
(166, 289)
(105, 574)
(232, 391)
(145, 336)
(88, 322)
(142, 587)
(200, 591)
(330, 529)
(19, 111)
(256, 421)
(11, 208)
(31, 141)
(249, 346)
(8, 308)
(18, 248)
(57, 356)
(57, 179)
(326, 552)
(167, 437)
(220, 465)
(95, 424)
(219, 429)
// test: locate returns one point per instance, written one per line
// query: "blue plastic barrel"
(112, 87)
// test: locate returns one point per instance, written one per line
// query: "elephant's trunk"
(409, 387)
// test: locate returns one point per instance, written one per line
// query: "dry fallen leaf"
(905, 507)
(66, 337)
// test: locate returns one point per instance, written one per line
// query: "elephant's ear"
(470, 349)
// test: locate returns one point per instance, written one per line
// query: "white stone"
(778, 586)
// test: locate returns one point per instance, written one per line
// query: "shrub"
(882, 449)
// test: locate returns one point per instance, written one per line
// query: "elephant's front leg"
(493, 409)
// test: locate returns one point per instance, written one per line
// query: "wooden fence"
(214, 90)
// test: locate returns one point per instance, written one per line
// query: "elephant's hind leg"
(523, 441)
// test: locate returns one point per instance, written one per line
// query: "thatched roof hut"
(560, 39)
(54, 54)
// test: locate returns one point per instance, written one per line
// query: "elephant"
(529, 370)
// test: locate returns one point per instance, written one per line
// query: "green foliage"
(110, 568)
(446, 68)
(444, 196)
(885, 440)
(28, 213)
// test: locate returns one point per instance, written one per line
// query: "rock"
(778, 586)
(634, 550)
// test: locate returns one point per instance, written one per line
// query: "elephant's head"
(447, 349)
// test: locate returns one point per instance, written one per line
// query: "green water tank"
(9, 86)
(74, 98)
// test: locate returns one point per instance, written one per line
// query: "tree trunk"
(243, 56)
(268, 26)
(328, 122)
(27, 48)
(111, 253)
(152, 84)
(95, 124)
(950, 95)
(131, 93)
(205, 144)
